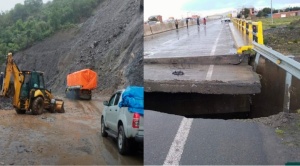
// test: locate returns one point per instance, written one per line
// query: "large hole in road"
(194, 105)
(268, 102)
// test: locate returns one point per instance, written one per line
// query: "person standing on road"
(176, 24)
(198, 21)
(204, 21)
(187, 23)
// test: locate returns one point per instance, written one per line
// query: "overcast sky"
(182, 8)
(6, 5)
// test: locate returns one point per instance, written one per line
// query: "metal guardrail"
(254, 31)
(289, 65)
(251, 30)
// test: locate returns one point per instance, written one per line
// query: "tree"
(246, 12)
(19, 12)
(260, 14)
(267, 10)
(33, 6)
(33, 21)
(295, 9)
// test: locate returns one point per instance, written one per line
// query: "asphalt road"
(212, 142)
(203, 42)
(213, 39)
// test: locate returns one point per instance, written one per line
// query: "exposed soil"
(51, 139)
(285, 40)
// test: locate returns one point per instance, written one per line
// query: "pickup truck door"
(108, 111)
(115, 112)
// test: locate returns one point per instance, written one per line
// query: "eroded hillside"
(110, 42)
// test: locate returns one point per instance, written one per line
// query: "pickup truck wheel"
(103, 132)
(38, 106)
(122, 141)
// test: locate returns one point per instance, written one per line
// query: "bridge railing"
(287, 63)
(253, 31)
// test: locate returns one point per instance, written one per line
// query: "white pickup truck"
(120, 123)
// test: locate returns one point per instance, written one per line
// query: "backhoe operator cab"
(29, 93)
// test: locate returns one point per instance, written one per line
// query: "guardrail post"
(250, 32)
(260, 33)
(287, 94)
(244, 27)
(257, 56)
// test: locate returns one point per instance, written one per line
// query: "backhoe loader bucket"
(59, 106)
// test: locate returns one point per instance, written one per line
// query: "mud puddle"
(70, 138)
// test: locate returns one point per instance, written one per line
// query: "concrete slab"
(200, 60)
(204, 79)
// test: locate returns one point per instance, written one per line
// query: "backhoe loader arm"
(12, 69)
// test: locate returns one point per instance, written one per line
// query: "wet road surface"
(70, 138)
(187, 141)
(213, 39)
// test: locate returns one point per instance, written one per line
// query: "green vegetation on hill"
(34, 21)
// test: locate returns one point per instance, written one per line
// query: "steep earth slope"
(110, 43)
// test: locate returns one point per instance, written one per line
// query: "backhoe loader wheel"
(37, 106)
(20, 111)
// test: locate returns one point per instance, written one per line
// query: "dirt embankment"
(285, 40)
(110, 43)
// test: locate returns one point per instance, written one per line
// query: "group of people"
(187, 22)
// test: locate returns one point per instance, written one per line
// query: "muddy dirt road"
(70, 138)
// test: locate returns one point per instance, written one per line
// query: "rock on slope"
(110, 43)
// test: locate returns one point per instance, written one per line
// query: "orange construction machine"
(81, 83)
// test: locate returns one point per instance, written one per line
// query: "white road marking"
(178, 143)
(209, 73)
(211, 67)
(216, 43)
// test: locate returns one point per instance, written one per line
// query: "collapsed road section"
(199, 85)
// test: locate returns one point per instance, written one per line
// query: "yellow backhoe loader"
(29, 90)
